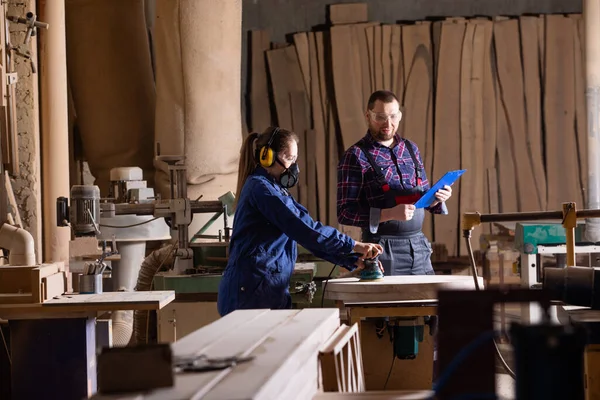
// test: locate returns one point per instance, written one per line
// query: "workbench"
(195, 302)
(285, 346)
(53, 344)
(393, 296)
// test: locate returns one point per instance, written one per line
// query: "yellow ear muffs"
(267, 156)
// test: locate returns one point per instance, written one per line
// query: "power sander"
(371, 272)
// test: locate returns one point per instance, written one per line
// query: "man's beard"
(379, 135)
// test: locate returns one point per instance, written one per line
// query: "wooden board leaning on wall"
(502, 97)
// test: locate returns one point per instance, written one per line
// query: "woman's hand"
(368, 250)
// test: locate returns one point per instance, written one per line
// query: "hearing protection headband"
(267, 155)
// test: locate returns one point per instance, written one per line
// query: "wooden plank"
(488, 112)
(473, 185)
(559, 113)
(580, 102)
(15, 279)
(37, 274)
(215, 340)
(260, 109)
(396, 288)
(507, 187)
(377, 395)
(194, 343)
(16, 298)
(467, 134)
(278, 70)
(302, 52)
(150, 300)
(418, 98)
(542, 47)
(81, 305)
(348, 98)
(318, 125)
(3, 66)
(370, 34)
(397, 62)
(377, 56)
(278, 358)
(348, 13)
(447, 128)
(54, 285)
(386, 56)
(330, 134)
(436, 39)
(286, 78)
(533, 106)
(510, 78)
(477, 84)
(492, 180)
(333, 159)
(311, 168)
(359, 35)
(300, 125)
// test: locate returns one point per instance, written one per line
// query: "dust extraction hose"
(467, 236)
(151, 265)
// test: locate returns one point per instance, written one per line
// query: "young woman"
(269, 222)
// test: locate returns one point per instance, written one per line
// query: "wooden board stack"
(284, 346)
(501, 97)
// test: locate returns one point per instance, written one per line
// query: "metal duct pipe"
(591, 15)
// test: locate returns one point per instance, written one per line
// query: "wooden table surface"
(396, 288)
(75, 303)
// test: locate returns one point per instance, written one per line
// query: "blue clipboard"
(448, 179)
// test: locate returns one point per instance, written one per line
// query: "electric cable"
(325, 286)
(5, 346)
(391, 368)
(467, 236)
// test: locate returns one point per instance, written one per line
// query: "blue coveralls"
(262, 252)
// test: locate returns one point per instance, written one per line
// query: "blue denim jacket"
(267, 226)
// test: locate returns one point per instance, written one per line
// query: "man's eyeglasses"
(381, 117)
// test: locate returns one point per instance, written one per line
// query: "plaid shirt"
(357, 188)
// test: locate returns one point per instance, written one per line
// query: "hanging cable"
(467, 236)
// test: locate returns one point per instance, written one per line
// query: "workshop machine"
(536, 241)
(132, 214)
(553, 360)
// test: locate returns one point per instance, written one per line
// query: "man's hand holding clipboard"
(440, 191)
